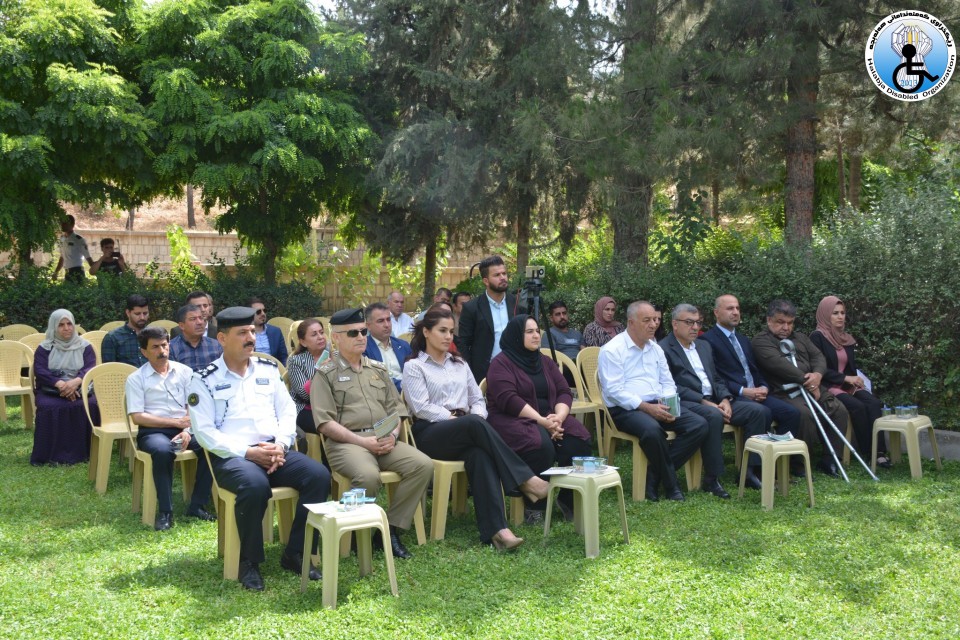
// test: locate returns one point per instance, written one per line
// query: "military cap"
(235, 317)
(347, 316)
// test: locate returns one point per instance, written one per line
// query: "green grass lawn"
(871, 560)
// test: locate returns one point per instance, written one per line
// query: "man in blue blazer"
(269, 338)
(703, 391)
(742, 376)
(383, 347)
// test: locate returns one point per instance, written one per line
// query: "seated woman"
(604, 327)
(530, 407)
(311, 351)
(449, 413)
(62, 434)
(837, 345)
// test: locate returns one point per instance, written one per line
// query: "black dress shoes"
(798, 470)
(712, 485)
(829, 468)
(650, 493)
(250, 577)
(201, 514)
(293, 562)
(399, 551)
(675, 494)
(752, 481)
(163, 521)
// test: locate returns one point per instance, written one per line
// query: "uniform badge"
(193, 399)
(221, 387)
(263, 380)
(343, 379)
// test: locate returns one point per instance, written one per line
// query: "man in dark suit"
(270, 339)
(704, 392)
(739, 370)
(809, 370)
(484, 318)
(381, 345)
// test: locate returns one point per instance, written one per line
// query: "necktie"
(743, 359)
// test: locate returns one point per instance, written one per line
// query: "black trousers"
(489, 462)
(746, 413)
(562, 452)
(156, 442)
(74, 275)
(864, 408)
(253, 484)
(664, 458)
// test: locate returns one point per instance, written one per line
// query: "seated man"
(383, 347)
(193, 347)
(242, 414)
(808, 372)
(204, 301)
(269, 338)
(349, 393)
(733, 357)
(634, 376)
(121, 344)
(157, 403)
(401, 322)
(703, 391)
(442, 295)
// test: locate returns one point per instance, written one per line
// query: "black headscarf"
(511, 344)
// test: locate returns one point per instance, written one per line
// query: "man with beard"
(121, 344)
(568, 340)
(485, 317)
(809, 370)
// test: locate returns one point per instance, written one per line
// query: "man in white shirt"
(703, 391)
(401, 323)
(243, 415)
(634, 377)
(157, 403)
(73, 251)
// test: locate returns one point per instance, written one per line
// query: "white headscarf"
(65, 355)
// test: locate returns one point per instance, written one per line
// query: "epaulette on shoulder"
(327, 366)
(376, 364)
(203, 373)
(267, 361)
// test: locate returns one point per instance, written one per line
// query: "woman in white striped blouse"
(450, 424)
(311, 351)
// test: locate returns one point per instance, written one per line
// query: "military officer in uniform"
(349, 394)
(242, 414)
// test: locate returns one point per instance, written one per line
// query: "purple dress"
(62, 433)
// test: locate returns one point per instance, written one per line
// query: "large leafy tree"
(71, 127)
(254, 104)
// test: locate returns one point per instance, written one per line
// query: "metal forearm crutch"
(789, 349)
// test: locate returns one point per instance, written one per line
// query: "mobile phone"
(116, 254)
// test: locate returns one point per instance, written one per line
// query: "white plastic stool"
(332, 523)
(910, 429)
(771, 453)
(586, 505)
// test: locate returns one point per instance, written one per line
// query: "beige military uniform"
(356, 400)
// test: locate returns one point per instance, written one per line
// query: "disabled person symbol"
(911, 68)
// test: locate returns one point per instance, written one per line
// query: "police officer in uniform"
(242, 414)
(349, 394)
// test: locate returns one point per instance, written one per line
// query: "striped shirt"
(433, 391)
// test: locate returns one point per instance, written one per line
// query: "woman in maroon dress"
(529, 401)
(62, 433)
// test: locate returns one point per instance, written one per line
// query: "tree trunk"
(802, 88)
(191, 215)
(24, 259)
(841, 178)
(523, 237)
(631, 219)
(429, 271)
(270, 248)
(856, 164)
(715, 208)
(131, 215)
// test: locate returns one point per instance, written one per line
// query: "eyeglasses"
(692, 323)
(260, 312)
(353, 333)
